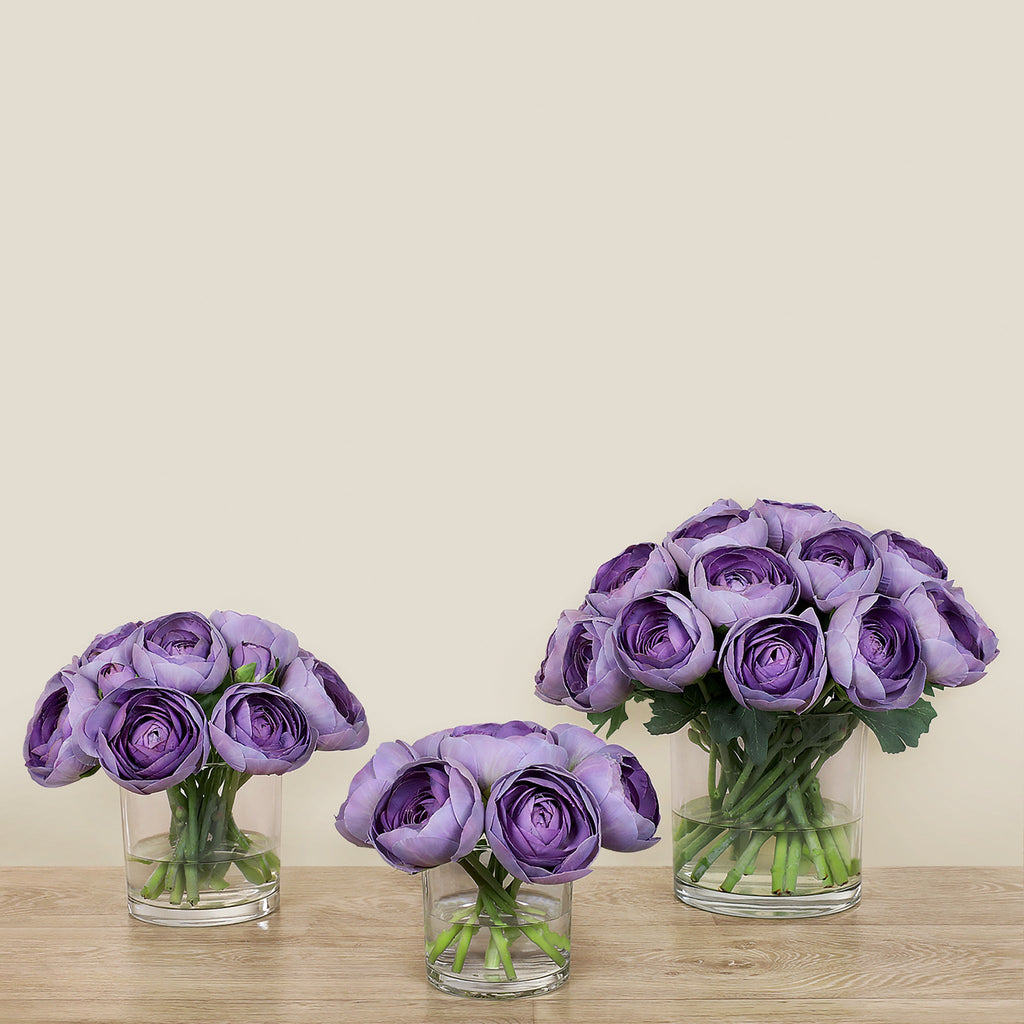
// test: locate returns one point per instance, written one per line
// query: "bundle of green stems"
(204, 841)
(777, 799)
(497, 909)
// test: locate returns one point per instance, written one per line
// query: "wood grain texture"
(929, 945)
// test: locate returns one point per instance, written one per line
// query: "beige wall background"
(390, 322)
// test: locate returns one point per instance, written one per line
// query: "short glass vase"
(491, 935)
(206, 851)
(773, 832)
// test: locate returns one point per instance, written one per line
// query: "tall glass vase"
(206, 851)
(775, 833)
(491, 935)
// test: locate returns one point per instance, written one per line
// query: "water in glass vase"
(522, 952)
(227, 885)
(730, 867)
(204, 852)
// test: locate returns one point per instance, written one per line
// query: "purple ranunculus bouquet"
(511, 804)
(753, 628)
(194, 707)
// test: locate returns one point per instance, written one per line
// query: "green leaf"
(728, 721)
(758, 729)
(899, 729)
(725, 720)
(614, 719)
(246, 674)
(671, 712)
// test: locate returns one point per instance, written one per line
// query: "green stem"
(809, 835)
(744, 861)
(794, 854)
(711, 856)
(835, 860)
(462, 949)
(192, 843)
(779, 861)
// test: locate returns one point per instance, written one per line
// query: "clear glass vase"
(769, 834)
(491, 935)
(206, 851)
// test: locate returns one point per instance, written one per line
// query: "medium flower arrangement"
(511, 804)
(768, 632)
(194, 707)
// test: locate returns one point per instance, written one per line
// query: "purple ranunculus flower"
(428, 745)
(550, 679)
(501, 730)
(105, 665)
(430, 814)
(956, 644)
(128, 633)
(259, 730)
(663, 640)
(788, 523)
(52, 756)
(730, 583)
(149, 737)
(355, 814)
(874, 653)
(625, 798)
(776, 662)
(183, 651)
(639, 569)
(905, 563)
(543, 825)
(487, 758)
(586, 676)
(724, 520)
(838, 562)
(331, 707)
(258, 642)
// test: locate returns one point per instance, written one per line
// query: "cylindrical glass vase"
(206, 851)
(491, 935)
(774, 831)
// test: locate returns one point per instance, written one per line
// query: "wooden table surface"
(925, 946)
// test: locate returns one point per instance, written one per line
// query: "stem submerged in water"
(778, 799)
(498, 910)
(205, 841)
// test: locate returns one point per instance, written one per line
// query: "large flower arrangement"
(510, 803)
(743, 618)
(192, 706)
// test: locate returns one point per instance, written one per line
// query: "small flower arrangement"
(748, 626)
(511, 804)
(195, 707)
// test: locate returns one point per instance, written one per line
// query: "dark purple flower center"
(843, 549)
(152, 725)
(181, 636)
(49, 720)
(712, 525)
(654, 635)
(778, 656)
(544, 816)
(341, 696)
(621, 569)
(917, 552)
(579, 653)
(414, 798)
(888, 641)
(964, 631)
(739, 568)
(639, 789)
